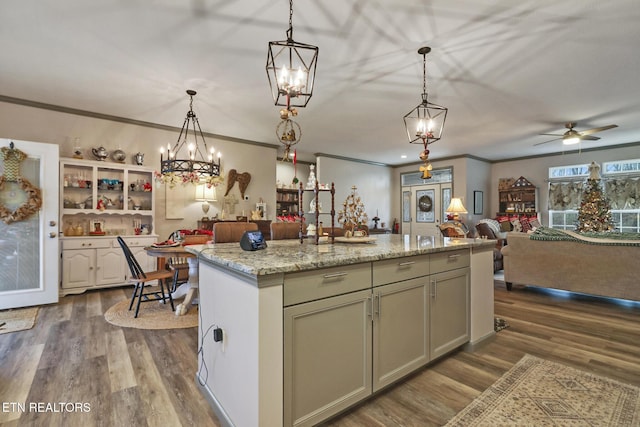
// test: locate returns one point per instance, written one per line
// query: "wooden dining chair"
(230, 232)
(285, 230)
(140, 280)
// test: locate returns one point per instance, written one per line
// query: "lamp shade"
(456, 206)
(206, 194)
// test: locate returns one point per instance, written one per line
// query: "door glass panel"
(20, 240)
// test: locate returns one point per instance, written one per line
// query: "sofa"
(574, 263)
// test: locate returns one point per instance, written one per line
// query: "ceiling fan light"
(572, 140)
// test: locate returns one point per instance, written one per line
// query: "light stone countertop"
(285, 256)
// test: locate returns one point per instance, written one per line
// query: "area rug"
(537, 392)
(499, 324)
(152, 315)
(17, 319)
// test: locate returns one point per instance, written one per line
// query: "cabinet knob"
(52, 234)
(52, 223)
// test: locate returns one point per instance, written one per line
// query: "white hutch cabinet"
(99, 201)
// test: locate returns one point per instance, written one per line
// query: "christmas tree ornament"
(289, 133)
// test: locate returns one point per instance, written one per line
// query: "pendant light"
(291, 69)
(425, 123)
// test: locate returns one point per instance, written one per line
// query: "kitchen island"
(305, 331)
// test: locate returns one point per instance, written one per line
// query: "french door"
(423, 208)
(29, 253)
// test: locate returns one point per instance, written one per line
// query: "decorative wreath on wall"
(12, 158)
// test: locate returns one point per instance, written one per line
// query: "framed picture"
(262, 208)
(97, 226)
(477, 203)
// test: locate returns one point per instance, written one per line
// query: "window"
(620, 184)
(437, 176)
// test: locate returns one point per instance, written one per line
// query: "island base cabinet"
(400, 333)
(449, 311)
(327, 357)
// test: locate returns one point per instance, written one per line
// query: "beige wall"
(379, 186)
(373, 184)
(42, 125)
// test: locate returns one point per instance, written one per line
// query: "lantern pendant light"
(291, 69)
(425, 123)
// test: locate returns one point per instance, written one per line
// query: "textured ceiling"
(508, 71)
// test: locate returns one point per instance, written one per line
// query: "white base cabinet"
(98, 262)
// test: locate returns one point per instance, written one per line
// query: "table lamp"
(205, 195)
(456, 208)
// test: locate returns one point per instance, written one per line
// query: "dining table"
(189, 289)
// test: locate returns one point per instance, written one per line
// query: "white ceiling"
(507, 70)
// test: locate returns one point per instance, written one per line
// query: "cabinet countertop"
(287, 256)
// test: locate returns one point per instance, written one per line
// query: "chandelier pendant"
(190, 161)
(425, 123)
(291, 69)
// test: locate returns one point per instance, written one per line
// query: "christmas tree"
(595, 211)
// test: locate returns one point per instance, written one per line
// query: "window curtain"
(623, 194)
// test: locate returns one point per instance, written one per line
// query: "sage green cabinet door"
(400, 330)
(449, 311)
(327, 357)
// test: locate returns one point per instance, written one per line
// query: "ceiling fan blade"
(589, 138)
(551, 140)
(594, 130)
(551, 134)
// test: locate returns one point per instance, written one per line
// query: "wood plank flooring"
(131, 377)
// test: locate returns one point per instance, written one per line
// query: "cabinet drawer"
(450, 260)
(399, 269)
(135, 241)
(86, 243)
(326, 282)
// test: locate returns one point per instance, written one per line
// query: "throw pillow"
(534, 223)
(524, 222)
(493, 225)
(516, 225)
(505, 225)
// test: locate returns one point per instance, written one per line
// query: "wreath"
(28, 208)
(12, 158)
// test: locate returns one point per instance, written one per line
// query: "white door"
(423, 208)
(29, 252)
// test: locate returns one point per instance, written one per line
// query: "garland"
(28, 208)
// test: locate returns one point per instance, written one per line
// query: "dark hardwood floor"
(130, 377)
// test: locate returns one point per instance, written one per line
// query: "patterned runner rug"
(537, 392)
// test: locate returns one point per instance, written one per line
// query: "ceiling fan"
(573, 136)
